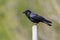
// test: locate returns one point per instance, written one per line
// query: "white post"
(34, 32)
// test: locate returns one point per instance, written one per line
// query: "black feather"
(36, 18)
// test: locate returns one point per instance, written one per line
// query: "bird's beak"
(23, 12)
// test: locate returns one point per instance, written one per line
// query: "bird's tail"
(47, 22)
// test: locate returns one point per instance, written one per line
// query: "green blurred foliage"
(15, 26)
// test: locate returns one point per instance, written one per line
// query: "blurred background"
(15, 26)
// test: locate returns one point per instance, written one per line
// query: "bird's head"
(27, 12)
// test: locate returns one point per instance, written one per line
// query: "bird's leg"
(35, 23)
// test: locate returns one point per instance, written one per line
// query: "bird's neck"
(28, 15)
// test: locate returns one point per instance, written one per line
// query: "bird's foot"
(35, 23)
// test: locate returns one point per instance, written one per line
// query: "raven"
(35, 18)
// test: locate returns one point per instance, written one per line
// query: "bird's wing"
(36, 17)
(32, 15)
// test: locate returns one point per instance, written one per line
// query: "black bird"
(36, 18)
